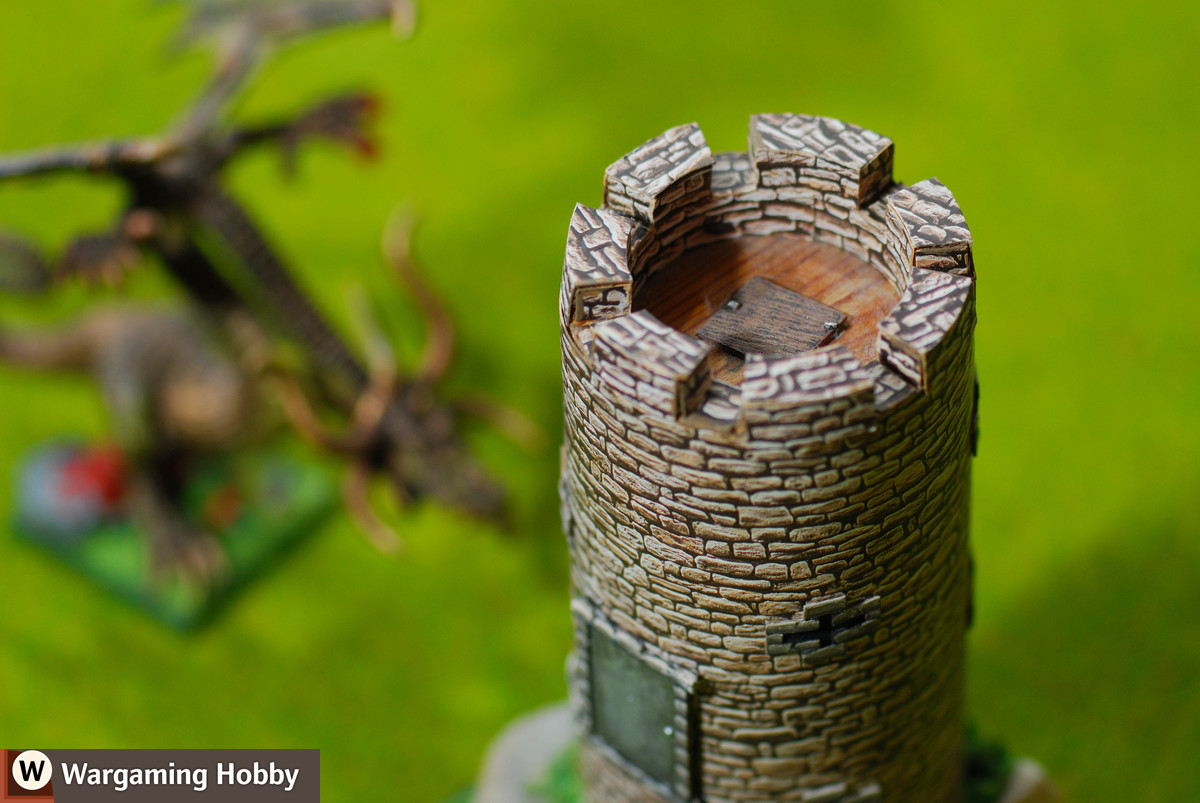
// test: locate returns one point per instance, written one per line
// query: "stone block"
(820, 153)
(670, 171)
(597, 283)
(932, 230)
(927, 311)
(675, 366)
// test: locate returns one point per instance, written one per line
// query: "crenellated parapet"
(811, 176)
(664, 370)
(927, 311)
(771, 577)
(930, 229)
(596, 280)
(660, 177)
(781, 383)
(820, 154)
(664, 184)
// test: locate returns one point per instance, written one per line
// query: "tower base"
(528, 763)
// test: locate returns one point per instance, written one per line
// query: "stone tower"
(770, 416)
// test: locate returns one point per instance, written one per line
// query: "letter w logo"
(29, 774)
(32, 769)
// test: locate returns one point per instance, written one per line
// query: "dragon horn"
(355, 487)
(397, 249)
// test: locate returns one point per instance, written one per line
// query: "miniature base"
(529, 762)
(520, 758)
(281, 501)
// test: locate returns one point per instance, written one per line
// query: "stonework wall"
(792, 553)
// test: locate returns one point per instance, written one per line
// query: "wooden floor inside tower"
(686, 293)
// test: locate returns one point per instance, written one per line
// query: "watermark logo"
(161, 776)
(29, 776)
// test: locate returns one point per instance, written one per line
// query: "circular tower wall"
(769, 565)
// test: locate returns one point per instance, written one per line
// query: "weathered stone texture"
(665, 184)
(822, 154)
(926, 312)
(596, 279)
(714, 525)
(733, 171)
(646, 181)
(930, 228)
(665, 370)
(741, 204)
(783, 384)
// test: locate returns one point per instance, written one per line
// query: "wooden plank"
(763, 318)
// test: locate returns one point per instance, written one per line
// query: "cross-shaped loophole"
(825, 631)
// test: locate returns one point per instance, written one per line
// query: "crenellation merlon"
(821, 153)
(932, 230)
(656, 178)
(782, 383)
(927, 311)
(664, 369)
(597, 283)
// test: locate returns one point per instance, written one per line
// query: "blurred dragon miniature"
(245, 297)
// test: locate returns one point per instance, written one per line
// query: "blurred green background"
(1067, 132)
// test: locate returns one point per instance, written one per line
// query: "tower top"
(628, 263)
